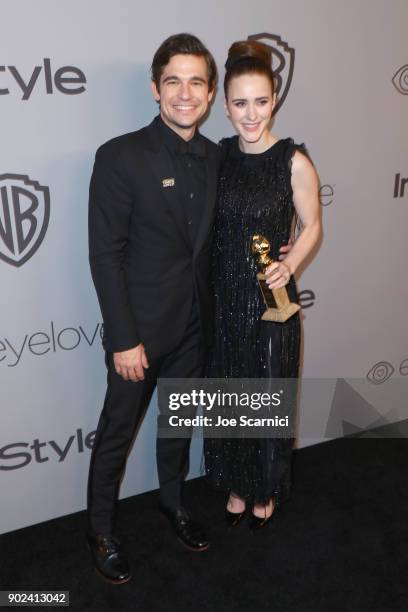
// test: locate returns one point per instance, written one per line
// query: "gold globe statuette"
(278, 307)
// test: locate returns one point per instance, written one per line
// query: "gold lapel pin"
(168, 182)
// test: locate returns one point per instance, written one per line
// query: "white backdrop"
(343, 102)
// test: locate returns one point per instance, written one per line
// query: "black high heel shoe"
(233, 518)
(257, 522)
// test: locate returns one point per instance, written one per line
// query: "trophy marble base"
(279, 308)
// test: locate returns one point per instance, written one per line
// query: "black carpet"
(339, 543)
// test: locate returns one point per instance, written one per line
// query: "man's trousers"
(123, 410)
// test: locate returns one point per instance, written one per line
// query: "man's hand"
(130, 364)
(284, 250)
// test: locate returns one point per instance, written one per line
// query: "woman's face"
(249, 105)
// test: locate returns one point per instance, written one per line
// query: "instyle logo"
(18, 455)
(283, 63)
(400, 80)
(24, 217)
(383, 370)
(400, 184)
(68, 80)
(52, 340)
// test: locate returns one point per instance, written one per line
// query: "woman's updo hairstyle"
(248, 56)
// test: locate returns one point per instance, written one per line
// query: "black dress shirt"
(189, 163)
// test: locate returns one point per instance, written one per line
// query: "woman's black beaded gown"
(254, 197)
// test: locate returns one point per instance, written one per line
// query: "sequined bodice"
(255, 196)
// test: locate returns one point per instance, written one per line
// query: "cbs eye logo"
(383, 370)
(400, 80)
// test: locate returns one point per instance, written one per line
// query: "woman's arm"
(305, 186)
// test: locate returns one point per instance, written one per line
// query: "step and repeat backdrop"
(74, 74)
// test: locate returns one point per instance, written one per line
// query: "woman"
(265, 184)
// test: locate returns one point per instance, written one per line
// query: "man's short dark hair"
(182, 44)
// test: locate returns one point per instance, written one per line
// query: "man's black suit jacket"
(143, 264)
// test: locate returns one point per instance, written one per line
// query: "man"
(152, 197)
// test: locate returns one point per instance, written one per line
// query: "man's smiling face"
(184, 93)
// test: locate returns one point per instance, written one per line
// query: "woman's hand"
(277, 274)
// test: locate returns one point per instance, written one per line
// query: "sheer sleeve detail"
(291, 150)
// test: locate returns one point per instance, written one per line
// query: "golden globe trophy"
(278, 306)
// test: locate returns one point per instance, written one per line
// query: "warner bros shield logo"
(283, 63)
(24, 216)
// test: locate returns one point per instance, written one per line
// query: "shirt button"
(191, 196)
(190, 222)
(189, 164)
